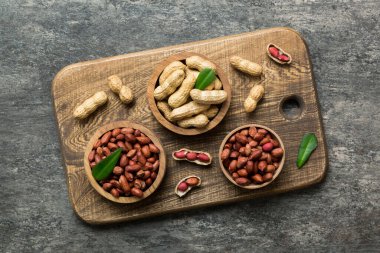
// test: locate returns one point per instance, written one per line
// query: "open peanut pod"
(277, 54)
(186, 184)
(198, 157)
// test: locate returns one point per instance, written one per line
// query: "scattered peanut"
(116, 85)
(173, 66)
(90, 105)
(198, 157)
(198, 63)
(186, 184)
(208, 97)
(188, 110)
(180, 97)
(255, 94)
(165, 109)
(211, 112)
(246, 66)
(198, 121)
(169, 85)
(278, 55)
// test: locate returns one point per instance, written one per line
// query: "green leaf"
(308, 144)
(205, 78)
(105, 167)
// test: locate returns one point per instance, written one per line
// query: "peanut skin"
(173, 66)
(246, 66)
(198, 121)
(169, 85)
(188, 110)
(198, 63)
(254, 97)
(90, 105)
(208, 97)
(165, 109)
(180, 97)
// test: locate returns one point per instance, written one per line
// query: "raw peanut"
(180, 97)
(246, 66)
(232, 166)
(276, 165)
(140, 174)
(275, 143)
(124, 184)
(208, 97)
(249, 167)
(277, 152)
(141, 158)
(115, 183)
(241, 162)
(127, 130)
(234, 154)
(180, 154)
(143, 140)
(123, 160)
(267, 147)
(182, 186)
(253, 144)
(169, 85)
(198, 63)
(236, 146)
(262, 131)
(128, 145)
(151, 159)
(255, 94)
(116, 132)
(165, 109)
(257, 179)
(156, 165)
(191, 156)
(247, 150)
(146, 174)
(264, 156)
(215, 85)
(107, 187)
(203, 157)
(262, 165)
(278, 55)
(137, 192)
(131, 162)
(116, 85)
(168, 70)
(148, 166)
(90, 105)
(130, 138)
(244, 132)
(255, 167)
(91, 156)
(252, 131)
(153, 148)
(242, 181)
(121, 145)
(192, 181)
(133, 168)
(197, 121)
(120, 137)
(256, 154)
(211, 112)
(267, 177)
(106, 151)
(232, 139)
(269, 158)
(97, 144)
(270, 168)
(138, 133)
(118, 170)
(235, 175)
(241, 138)
(258, 137)
(264, 141)
(131, 153)
(145, 151)
(225, 154)
(92, 164)
(228, 146)
(105, 138)
(97, 158)
(242, 150)
(149, 182)
(128, 176)
(115, 192)
(99, 151)
(188, 110)
(137, 146)
(153, 175)
(242, 173)
(112, 146)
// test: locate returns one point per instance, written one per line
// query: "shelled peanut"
(198, 157)
(186, 184)
(137, 167)
(177, 99)
(252, 156)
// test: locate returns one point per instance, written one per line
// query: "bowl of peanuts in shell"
(252, 156)
(175, 102)
(140, 169)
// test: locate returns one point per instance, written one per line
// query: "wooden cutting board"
(284, 85)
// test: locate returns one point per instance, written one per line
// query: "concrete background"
(38, 38)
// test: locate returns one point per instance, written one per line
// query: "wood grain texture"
(76, 82)
(172, 127)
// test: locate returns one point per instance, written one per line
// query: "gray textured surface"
(37, 38)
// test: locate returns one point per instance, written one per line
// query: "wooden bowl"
(147, 132)
(252, 186)
(153, 82)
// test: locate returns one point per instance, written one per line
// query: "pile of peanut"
(177, 99)
(251, 155)
(137, 167)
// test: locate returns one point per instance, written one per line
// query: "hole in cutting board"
(292, 107)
